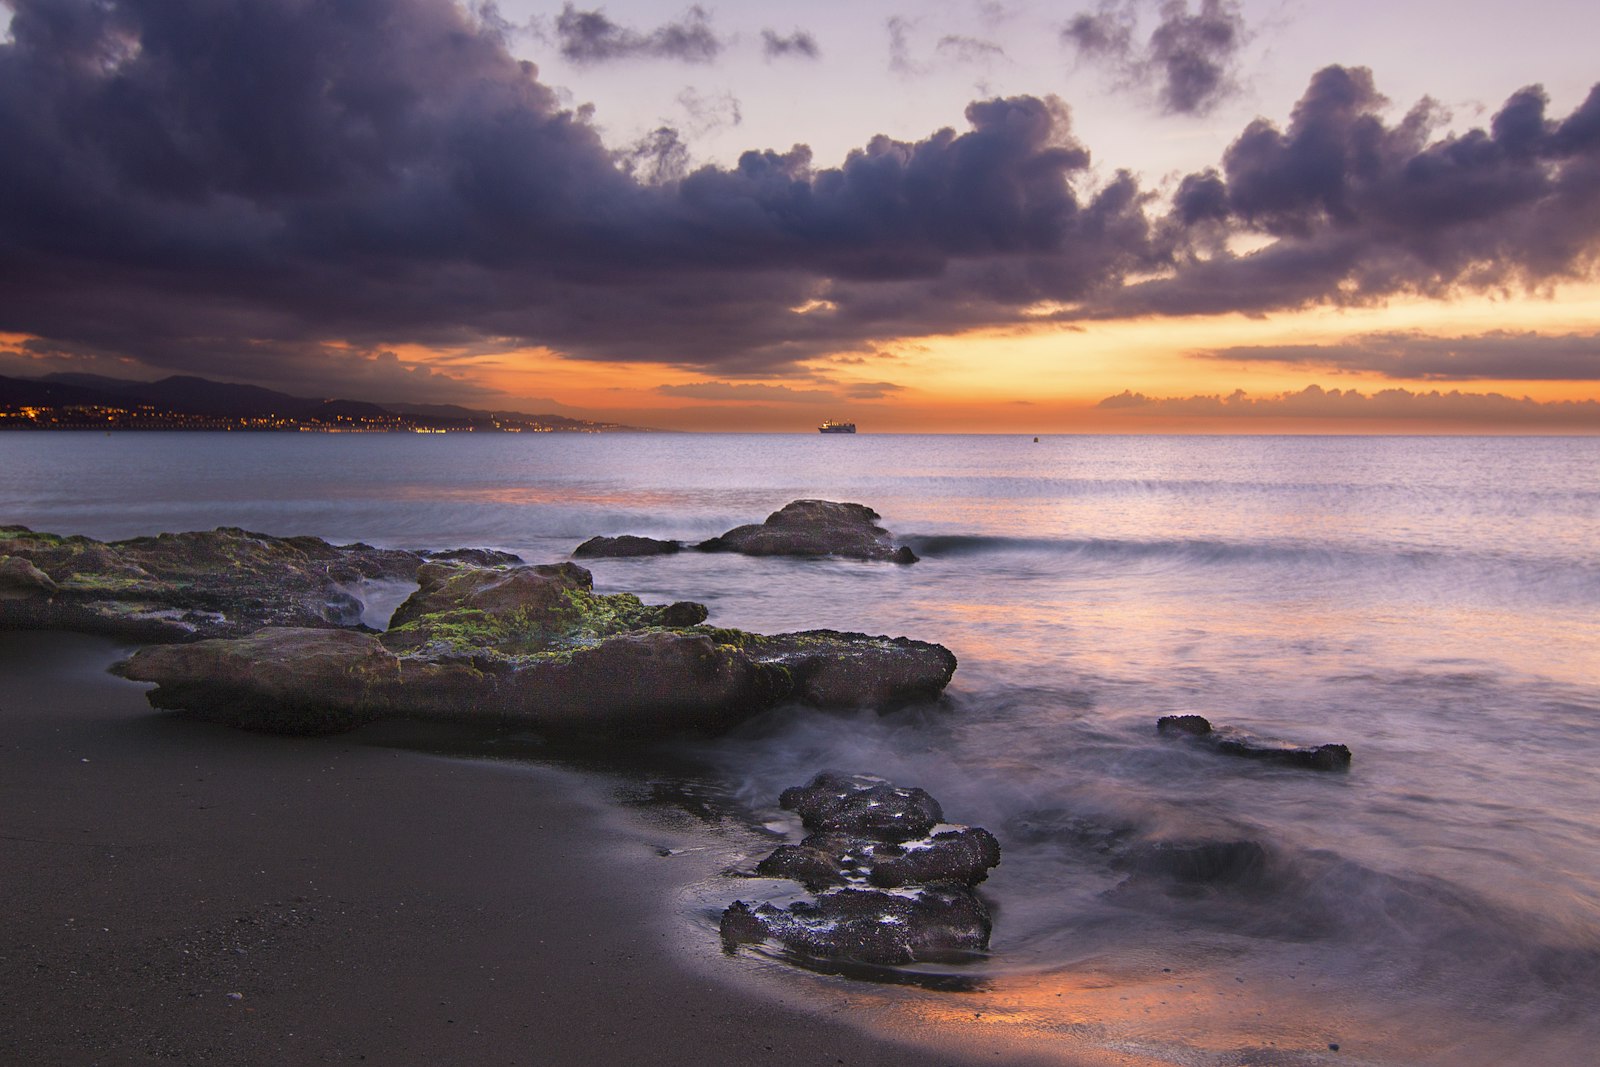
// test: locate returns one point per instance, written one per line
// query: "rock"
(297, 681)
(832, 669)
(962, 854)
(863, 806)
(814, 528)
(935, 923)
(813, 867)
(282, 679)
(625, 545)
(179, 587)
(893, 885)
(21, 580)
(528, 647)
(1235, 742)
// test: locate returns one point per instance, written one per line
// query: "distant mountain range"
(73, 401)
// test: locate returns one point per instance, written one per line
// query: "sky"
(961, 216)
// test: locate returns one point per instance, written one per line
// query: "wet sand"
(180, 892)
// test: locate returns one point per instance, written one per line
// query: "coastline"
(365, 904)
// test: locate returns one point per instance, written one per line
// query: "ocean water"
(1434, 603)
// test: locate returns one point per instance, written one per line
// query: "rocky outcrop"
(892, 883)
(624, 546)
(21, 580)
(533, 647)
(833, 669)
(182, 587)
(1235, 742)
(814, 528)
(278, 642)
(289, 680)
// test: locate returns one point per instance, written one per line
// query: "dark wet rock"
(863, 806)
(625, 545)
(1235, 742)
(935, 923)
(814, 528)
(815, 868)
(894, 885)
(178, 587)
(530, 646)
(1191, 725)
(962, 854)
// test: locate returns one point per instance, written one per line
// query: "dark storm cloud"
(1356, 210)
(591, 37)
(1498, 355)
(797, 44)
(1190, 55)
(1314, 402)
(282, 192)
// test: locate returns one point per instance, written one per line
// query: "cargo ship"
(829, 426)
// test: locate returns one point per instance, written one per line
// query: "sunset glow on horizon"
(1180, 218)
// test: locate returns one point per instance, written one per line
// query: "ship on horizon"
(829, 426)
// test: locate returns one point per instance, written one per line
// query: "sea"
(1431, 602)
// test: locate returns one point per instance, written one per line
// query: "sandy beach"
(180, 892)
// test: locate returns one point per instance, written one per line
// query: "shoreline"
(183, 891)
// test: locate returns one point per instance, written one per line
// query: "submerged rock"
(534, 647)
(1239, 863)
(893, 884)
(1235, 742)
(814, 528)
(625, 545)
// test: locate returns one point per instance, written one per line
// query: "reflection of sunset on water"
(1119, 1015)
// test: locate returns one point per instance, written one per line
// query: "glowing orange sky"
(1046, 379)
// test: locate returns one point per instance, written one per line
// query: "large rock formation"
(1235, 742)
(814, 528)
(892, 883)
(271, 638)
(533, 647)
(180, 587)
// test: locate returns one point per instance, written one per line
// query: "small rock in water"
(1235, 742)
(623, 546)
(814, 528)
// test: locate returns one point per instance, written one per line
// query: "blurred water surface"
(1432, 602)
